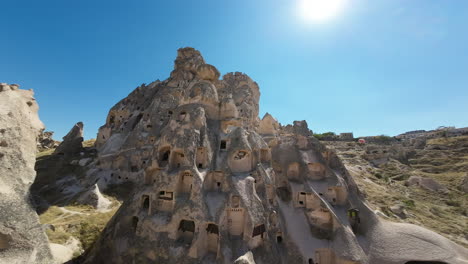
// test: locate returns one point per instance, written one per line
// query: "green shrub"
(326, 136)
(409, 203)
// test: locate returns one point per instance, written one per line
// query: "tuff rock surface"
(22, 239)
(72, 142)
(215, 184)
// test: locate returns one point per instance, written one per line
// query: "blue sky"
(379, 67)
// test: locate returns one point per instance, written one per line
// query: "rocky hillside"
(70, 205)
(424, 182)
(215, 184)
(184, 171)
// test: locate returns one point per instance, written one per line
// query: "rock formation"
(22, 239)
(425, 183)
(94, 198)
(218, 185)
(72, 142)
(45, 140)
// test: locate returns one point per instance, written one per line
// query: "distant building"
(347, 136)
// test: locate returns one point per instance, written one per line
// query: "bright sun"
(319, 10)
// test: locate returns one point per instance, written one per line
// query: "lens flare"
(319, 10)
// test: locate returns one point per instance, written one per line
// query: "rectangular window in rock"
(258, 230)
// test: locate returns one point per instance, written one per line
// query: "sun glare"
(319, 10)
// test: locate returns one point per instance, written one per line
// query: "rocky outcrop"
(45, 140)
(426, 183)
(94, 198)
(215, 184)
(298, 127)
(72, 142)
(245, 259)
(22, 239)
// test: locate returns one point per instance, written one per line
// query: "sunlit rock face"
(215, 184)
(22, 239)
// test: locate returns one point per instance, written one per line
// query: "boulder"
(426, 183)
(399, 210)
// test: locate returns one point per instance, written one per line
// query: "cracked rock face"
(215, 184)
(22, 239)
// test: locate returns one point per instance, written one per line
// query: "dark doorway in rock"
(146, 202)
(279, 239)
(165, 156)
(185, 231)
(187, 226)
(134, 223)
(212, 228)
(258, 230)
(223, 144)
(311, 261)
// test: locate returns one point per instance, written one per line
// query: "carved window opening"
(187, 226)
(258, 231)
(212, 228)
(145, 202)
(279, 239)
(165, 156)
(169, 196)
(223, 144)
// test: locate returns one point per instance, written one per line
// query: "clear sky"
(376, 67)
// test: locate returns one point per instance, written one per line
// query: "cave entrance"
(186, 230)
(145, 202)
(223, 145)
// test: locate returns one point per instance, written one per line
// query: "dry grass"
(80, 221)
(446, 214)
(44, 153)
(89, 143)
